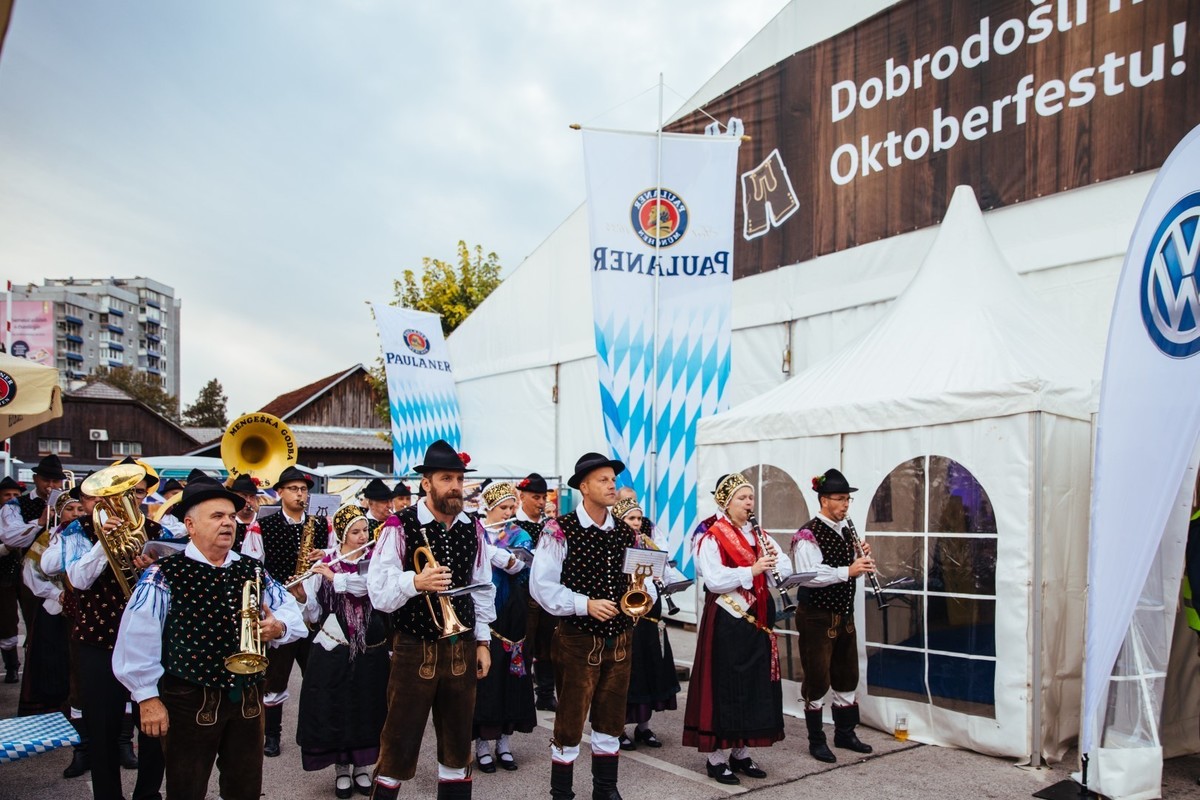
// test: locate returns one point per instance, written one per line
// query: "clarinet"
(876, 589)
(788, 605)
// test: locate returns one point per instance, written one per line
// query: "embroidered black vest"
(10, 564)
(593, 567)
(534, 529)
(203, 625)
(456, 548)
(836, 551)
(373, 526)
(99, 607)
(281, 541)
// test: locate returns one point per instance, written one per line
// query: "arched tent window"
(781, 510)
(933, 532)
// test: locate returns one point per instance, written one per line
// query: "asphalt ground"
(895, 771)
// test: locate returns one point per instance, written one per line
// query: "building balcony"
(70, 337)
(117, 329)
(150, 351)
(153, 304)
(72, 320)
(150, 337)
(76, 357)
(116, 312)
(115, 364)
(120, 348)
(153, 370)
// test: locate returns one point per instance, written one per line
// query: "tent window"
(933, 531)
(781, 510)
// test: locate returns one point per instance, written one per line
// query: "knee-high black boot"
(816, 736)
(273, 720)
(561, 778)
(543, 686)
(845, 720)
(129, 759)
(80, 763)
(12, 664)
(604, 777)
(454, 790)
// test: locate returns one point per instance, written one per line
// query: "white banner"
(1149, 417)
(692, 226)
(421, 397)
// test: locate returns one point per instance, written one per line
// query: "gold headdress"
(496, 493)
(727, 487)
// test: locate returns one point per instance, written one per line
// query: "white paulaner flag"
(691, 220)
(421, 396)
(1149, 418)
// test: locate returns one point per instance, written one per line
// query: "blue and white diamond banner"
(677, 231)
(421, 397)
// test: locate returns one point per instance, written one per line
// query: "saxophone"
(304, 554)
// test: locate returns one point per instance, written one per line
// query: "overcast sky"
(279, 162)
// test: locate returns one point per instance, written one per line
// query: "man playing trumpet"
(441, 644)
(182, 623)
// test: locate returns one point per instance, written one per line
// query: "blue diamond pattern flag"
(421, 397)
(655, 385)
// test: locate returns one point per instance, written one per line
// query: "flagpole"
(8, 351)
(652, 489)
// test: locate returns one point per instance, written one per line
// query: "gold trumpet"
(251, 657)
(450, 624)
(113, 489)
(636, 602)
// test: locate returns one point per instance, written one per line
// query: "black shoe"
(129, 759)
(486, 762)
(646, 737)
(79, 765)
(546, 704)
(507, 761)
(12, 665)
(845, 720)
(721, 773)
(747, 767)
(271, 745)
(816, 737)
(343, 787)
(626, 743)
(362, 782)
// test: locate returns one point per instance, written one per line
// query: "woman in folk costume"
(343, 700)
(47, 680)
(736, 699)
(653, 683)
(504, 699)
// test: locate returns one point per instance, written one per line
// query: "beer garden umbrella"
(29, 395)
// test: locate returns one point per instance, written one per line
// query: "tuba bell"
(259, 445)
(113, 489)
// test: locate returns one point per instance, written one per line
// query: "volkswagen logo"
(1170, 297)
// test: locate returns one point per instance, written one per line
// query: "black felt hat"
(50, 468)
(9, 483)
(377, 490)
(441, 457)
(171, 485)
(590, 462)
(402, 490)
(244, 484)
(290, 475)
(150, 480)
(202, 489)
(832, 482)
(198, 475)
(534, 484)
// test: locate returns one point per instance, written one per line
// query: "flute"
(341, 557)
(871, 576)
(765, 544)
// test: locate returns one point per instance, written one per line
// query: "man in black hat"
(539, 628)
(21, 520)
(182, 622)
(379, 505)
(434, 666)
(828, 644)
(578, 576)
(401, 497)
(287, 535)
(246, 518)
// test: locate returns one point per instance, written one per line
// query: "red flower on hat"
(817, 481)
(524, 484)
(256, 481)
(465, 458)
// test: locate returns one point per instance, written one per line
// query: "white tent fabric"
(966, 365)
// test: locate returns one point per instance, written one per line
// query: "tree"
(449, 290)
(209, 410)
(140, 386)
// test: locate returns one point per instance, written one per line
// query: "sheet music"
(796, 578)
(523, 554)
(637, 556)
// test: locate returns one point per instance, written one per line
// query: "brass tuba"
(251, 657)
(260, 445)
(113, 488)
(636, 602)
(450, 624)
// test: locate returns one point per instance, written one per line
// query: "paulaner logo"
(656, 221)
(1170, 297)
(416, 341)
(8, 389)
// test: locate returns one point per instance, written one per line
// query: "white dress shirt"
(807, 557)
(390, 579)
(41, 584)
(545, 577)
(15, 532)
(137, 658)
(84, 561)
(720, 579)
(523, 517)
